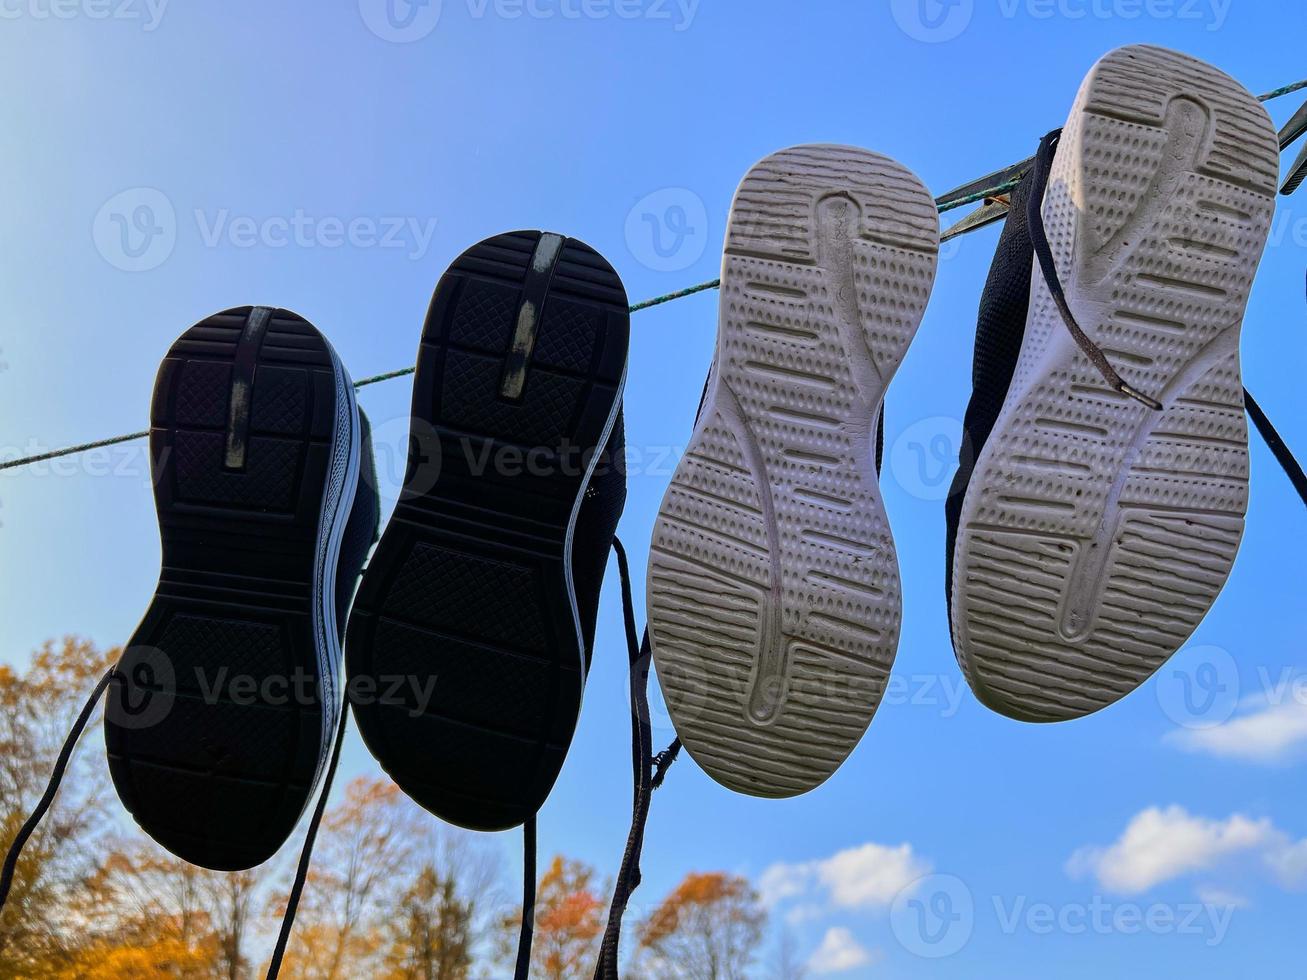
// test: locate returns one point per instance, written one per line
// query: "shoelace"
(647, 776)
(1039, 239)
(1281, 452)
(647, 771)
(47, 798)
(61, 766)
(526, 934)
(306, 852)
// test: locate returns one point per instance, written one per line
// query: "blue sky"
(333, 160)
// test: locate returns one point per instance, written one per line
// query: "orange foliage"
(708, 928)
(569, 919)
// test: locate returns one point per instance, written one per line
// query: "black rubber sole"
(465, 625)
(216, 720)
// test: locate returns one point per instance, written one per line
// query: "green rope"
(636, 308)
(388, 376)
(1286, 90)
(72, 450)
(981, 195)
(689, 291)
(84, 447)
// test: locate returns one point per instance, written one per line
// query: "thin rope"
(388, 376)
(946, 205)
(688, 291)
(73, 450)
(1286, 90)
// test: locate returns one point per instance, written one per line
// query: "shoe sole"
(1095, 533)
(224, 703)
(466, 619)
(773, 586)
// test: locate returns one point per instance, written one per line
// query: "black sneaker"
(474, 623)
(773, 584)
(224, 705)
(1103, 510)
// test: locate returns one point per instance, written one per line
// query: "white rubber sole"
(1095, 533)
(773, 586)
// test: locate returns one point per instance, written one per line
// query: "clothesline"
(984, 188)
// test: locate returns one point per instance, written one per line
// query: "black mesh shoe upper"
(1000, 328)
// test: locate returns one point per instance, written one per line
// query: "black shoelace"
(647, 772)
(1039, 239)
(306, 852)
(61, 766)
(647, 776)
(526, 934)
(47, 798)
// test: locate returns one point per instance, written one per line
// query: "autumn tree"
(365, 846)
(230, 900)
(37, 938)
(569, 921)
(435, 930)
(708, 928)
(148, 915)
(785, 963)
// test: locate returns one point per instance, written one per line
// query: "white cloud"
(871, 875)
(864, 877)
(1220, 897)
(1288, 862)
(801, 914)
(839, 951)
(782, 881)
(1159, 845)
(1268, 730)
